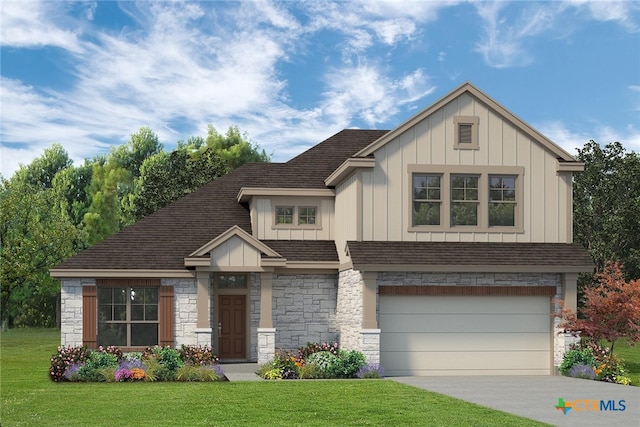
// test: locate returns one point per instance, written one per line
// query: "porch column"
(369, 334)
(570, 291)
(369, 300)
(266, 331)
(203, 324)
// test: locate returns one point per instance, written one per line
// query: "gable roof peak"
(468, 87)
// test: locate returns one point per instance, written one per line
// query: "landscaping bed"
(111, 364)
(319, 360)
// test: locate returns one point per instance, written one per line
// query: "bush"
(197, 355)
(310, 371)
(578, 356)
(204, 372)
(131, 370)
(582, 371)
(166, 356)
(311, 348)
(323, 359)
(610, 369)
(346, 365)
(64, 359)
(370, 370)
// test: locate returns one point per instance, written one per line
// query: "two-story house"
(440, 247)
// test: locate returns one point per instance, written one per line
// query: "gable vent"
(464, 133)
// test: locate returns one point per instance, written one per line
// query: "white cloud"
(571, 140)
(31, 24)
(621, 12)
(504, 41)
(365, 90)
(502, 44)
(183, 66)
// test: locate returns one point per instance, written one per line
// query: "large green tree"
(607, 206)
(165, 177)
(35, 235)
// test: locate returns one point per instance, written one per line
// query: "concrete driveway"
(536, 397)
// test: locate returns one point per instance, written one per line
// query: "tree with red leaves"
(611, 309)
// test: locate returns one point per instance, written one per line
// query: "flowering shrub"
(372, 370)
(156, 363)
(577, 356)
(64, 358)
(131, 370)
(315, 361)
(605, 366)
(610, 369)
(197, 355)
(310, 348)
(582, 371)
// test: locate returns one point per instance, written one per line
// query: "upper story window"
(465, 132)
(307, 215)
(284, 214)
(426, 199)
(296, 216)
(502, 200)
(466, 198)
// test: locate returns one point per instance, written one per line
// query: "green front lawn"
(631, 357)
(30, 398)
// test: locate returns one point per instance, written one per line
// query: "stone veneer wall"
(254, 306)
(349, 309)
(304, 309)
(71, 310)
(185, 296)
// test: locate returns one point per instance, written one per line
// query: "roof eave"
(129, 273)
(347, 168)
(484, 268)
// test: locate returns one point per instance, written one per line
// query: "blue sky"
(290, 74)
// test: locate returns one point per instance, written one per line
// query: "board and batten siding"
(347, 212)
(262, 213)
(235, 252)
(547, 195)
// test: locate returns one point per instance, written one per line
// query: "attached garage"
(443, 330)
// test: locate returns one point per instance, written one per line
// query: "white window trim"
(483, 173)
(466, 120)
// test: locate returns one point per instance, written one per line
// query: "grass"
(631, 357)
(30, 398)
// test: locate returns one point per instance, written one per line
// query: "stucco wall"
(304, 309)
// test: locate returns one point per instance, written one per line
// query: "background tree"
(49, 209)
(35, 235)
(165, 177)
(607, 206)
(611, 309)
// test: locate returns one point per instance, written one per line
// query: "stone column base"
(266, 345)
(370, 345)
(203, 336)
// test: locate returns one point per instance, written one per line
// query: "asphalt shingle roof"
(304, 250)
(469, 254)
(162, 240)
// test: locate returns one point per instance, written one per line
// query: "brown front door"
(232, 326)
